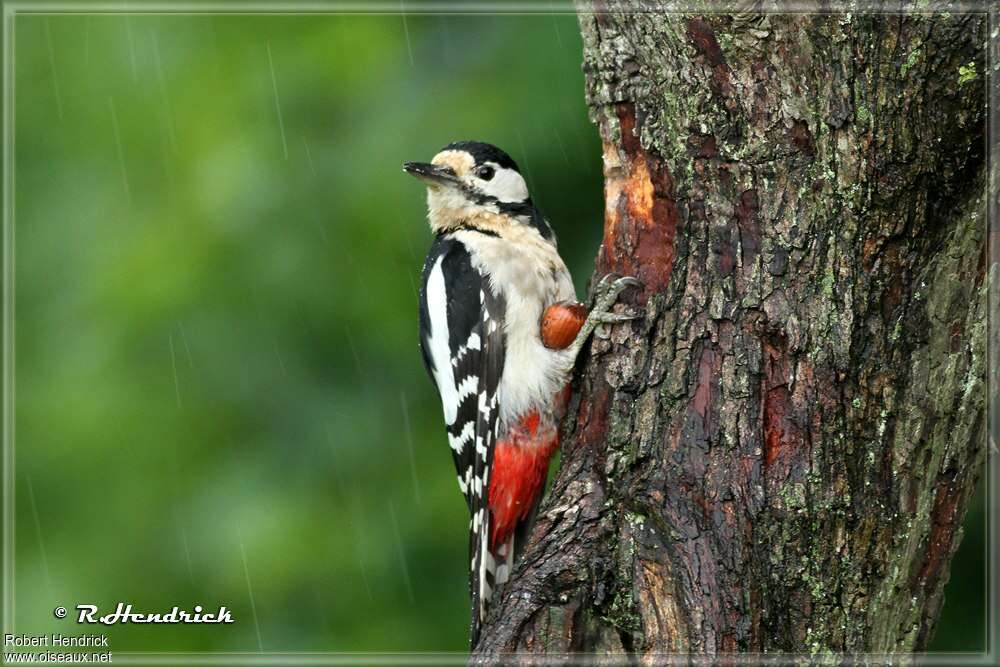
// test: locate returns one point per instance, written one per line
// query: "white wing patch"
(437, 310)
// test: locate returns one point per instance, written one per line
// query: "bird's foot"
(605, 295)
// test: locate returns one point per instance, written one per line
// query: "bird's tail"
(515, 491)
(490, 569)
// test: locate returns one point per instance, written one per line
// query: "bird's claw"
(608, 289)
(601, 317)
(604, 320)
(605, 295)
(616, 282)
(603, 282)
(628, 281)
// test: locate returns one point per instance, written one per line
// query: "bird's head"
(474, 183)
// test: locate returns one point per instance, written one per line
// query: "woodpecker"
(500, 332)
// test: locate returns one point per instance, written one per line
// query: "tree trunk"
(779, 456)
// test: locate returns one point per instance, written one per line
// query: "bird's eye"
(485, 173)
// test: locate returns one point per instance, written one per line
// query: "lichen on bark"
(778, 456)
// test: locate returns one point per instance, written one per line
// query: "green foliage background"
(219, 396)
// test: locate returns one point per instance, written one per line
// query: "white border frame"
(251, 7)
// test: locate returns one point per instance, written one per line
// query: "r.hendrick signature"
(123, 614)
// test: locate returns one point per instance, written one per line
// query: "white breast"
(528, 272)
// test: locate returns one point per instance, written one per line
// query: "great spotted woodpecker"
(500, 333)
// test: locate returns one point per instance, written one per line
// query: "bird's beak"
(431, 174)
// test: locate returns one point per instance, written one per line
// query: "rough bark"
(779, 456)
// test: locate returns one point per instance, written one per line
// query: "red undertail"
(520, 465)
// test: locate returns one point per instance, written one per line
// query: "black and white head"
(471, 183)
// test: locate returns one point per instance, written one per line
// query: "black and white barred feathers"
(462, 340)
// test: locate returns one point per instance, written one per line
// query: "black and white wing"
(462, 340)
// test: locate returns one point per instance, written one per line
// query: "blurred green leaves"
(216, 342)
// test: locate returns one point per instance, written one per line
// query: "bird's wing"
(462, 339)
